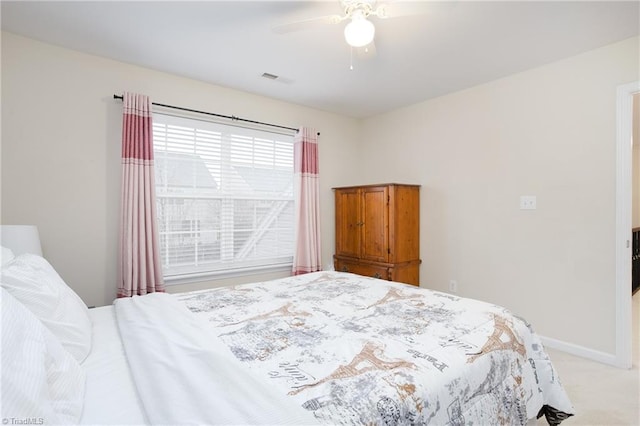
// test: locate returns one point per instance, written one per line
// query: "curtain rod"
(230, 117)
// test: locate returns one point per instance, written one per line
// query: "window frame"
(240, 271)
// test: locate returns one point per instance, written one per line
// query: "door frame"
(624, 147)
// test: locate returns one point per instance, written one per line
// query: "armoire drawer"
(367, 270)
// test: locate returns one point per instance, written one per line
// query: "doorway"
(635, 195)
(624, 150)
(635, 223)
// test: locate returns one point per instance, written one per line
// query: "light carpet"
(601, 394)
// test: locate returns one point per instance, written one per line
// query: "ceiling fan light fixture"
(359, 32)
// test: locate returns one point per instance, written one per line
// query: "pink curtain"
(307, 253)
(140, 271)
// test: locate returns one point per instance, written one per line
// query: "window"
(224, 197)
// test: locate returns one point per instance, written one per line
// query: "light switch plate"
(527, 202)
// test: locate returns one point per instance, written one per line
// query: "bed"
(321, 348)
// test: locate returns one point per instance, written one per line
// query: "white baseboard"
(581, 351)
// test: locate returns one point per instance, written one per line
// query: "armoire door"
(348, 223)
(375, 219)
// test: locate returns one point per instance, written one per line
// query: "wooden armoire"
(378, 231)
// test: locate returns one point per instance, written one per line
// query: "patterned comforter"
(357, 350)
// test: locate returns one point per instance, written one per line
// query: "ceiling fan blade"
(367, 52)
(307, 24)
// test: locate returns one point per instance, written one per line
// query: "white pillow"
(6, 255)
(40, 380)
(33, 281)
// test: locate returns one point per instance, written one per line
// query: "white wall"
(61, 136)
(548, 132)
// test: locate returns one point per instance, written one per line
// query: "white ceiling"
(452, 46)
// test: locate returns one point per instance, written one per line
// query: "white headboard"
(21, 239)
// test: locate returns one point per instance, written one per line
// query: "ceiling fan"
(360, 31)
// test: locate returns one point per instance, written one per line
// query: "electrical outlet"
(453, 286)
(528, 202)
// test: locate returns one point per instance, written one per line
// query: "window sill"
(213, 276)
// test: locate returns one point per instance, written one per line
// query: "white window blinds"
(224, 197)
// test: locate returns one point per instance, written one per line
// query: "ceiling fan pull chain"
(351, 58)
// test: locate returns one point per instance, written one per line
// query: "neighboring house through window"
(225, 198)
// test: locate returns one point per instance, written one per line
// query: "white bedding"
(338, 349)
(112, 398)
(41, 381)
(327, 347)
(110, 394)
(184, 375)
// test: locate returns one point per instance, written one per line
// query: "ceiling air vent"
(269, 76)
